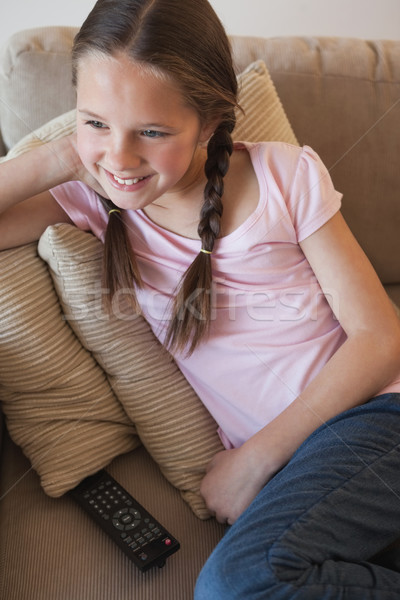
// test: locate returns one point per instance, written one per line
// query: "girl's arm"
(26, 205)
(362, 366)
(25, 222)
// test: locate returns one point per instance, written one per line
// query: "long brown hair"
(185, 40)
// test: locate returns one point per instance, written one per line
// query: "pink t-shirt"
(272, 329)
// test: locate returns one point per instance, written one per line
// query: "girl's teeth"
(128, 181)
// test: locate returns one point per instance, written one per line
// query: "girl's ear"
(207, 131)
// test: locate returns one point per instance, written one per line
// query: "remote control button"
(167, 542)
(135, 513)
(118, 525)
(134, 546)
(127, 519)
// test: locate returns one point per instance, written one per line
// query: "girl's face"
(136, 136)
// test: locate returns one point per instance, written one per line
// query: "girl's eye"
(96, 124)
(152, 134)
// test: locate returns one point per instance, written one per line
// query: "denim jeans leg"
(311, 532)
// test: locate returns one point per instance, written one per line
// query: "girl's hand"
(233, 480)
(26, 205)
(66, 151)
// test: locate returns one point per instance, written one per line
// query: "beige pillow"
(262, 117)
(172, 423)
(58, 403)
(56, 128)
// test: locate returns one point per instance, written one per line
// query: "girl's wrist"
(63, 161)
(34, 172)
(264, 455)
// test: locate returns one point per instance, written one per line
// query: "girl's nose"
(123, 156)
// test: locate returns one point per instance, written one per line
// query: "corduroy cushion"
(261, 118)
(172, 423)
(58, 404)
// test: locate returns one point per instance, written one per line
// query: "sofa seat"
(51, 550)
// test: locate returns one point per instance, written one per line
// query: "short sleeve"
(82, 206)
(312, 199)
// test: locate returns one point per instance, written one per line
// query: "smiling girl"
(239, 258)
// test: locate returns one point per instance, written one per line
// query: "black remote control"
(143, 539)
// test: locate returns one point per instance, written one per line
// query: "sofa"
(81, 390)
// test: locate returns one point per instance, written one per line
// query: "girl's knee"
(232, 573)
(213, 581)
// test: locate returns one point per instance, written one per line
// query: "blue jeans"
(312, 531)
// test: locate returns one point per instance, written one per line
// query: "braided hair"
(164, 35)
(191, 311)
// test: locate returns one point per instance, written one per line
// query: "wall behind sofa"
(370, 19)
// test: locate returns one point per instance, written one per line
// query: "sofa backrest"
(342, 97)
(35, 80)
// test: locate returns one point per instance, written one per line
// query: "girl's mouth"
(128, 181)
(127, 185)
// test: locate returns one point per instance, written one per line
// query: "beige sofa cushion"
(60, 126)
(172, 423)
(263, 117)
(58, 404)
(35, 63)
